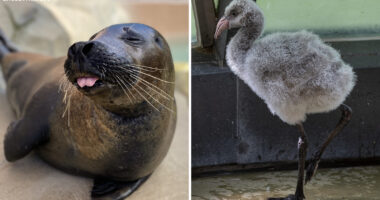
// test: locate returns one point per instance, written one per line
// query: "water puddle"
(353, 183)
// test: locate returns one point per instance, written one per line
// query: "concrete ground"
(32, 179)
(352, 183)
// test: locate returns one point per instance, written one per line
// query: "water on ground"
(352, 183)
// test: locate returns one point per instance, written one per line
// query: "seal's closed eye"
(132, 39)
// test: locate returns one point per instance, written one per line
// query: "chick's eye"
(233, 14)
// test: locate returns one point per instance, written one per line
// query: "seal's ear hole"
(158, 41)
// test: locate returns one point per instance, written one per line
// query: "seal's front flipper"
(22, 137)
(116, 190)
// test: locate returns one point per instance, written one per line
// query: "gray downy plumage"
(294, 73)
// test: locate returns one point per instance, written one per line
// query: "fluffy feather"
(294, 73)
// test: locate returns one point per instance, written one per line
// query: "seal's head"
(121, 65)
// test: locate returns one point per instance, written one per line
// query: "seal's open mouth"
(92, 68)
(87, 81)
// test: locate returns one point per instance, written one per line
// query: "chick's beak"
(221, 26)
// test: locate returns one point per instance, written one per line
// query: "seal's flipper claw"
(116, 190)
(102, 187)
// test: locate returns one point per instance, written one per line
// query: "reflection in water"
(353, 183)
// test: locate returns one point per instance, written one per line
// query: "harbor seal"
(106, 110)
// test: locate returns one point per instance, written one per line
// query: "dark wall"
(231, 125)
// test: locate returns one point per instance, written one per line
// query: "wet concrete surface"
(351, 183)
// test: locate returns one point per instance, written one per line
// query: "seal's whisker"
(122, 87)
(126, 87)
(140, 68)
(131, 80)
(143, 66)
(61, 83)
(68, 110)
(143, 96)
(151, 96)
(65, 100)
(135, 67)
(64, 84)
(64, 87)
(139, 71)
(154, 88)
(162, 93)
(67, 89)
(125, 92)
(149, 85)
(103, 75)
(154, 77)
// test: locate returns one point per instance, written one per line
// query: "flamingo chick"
(294, 73)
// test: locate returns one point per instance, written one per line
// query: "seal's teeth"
(86, 81)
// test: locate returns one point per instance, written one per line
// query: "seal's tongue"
(86, 81)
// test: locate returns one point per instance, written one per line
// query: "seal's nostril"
(71, 51)
(87, 48)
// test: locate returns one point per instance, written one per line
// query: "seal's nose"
(81, 49)
(87, 48)
(74, 49)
